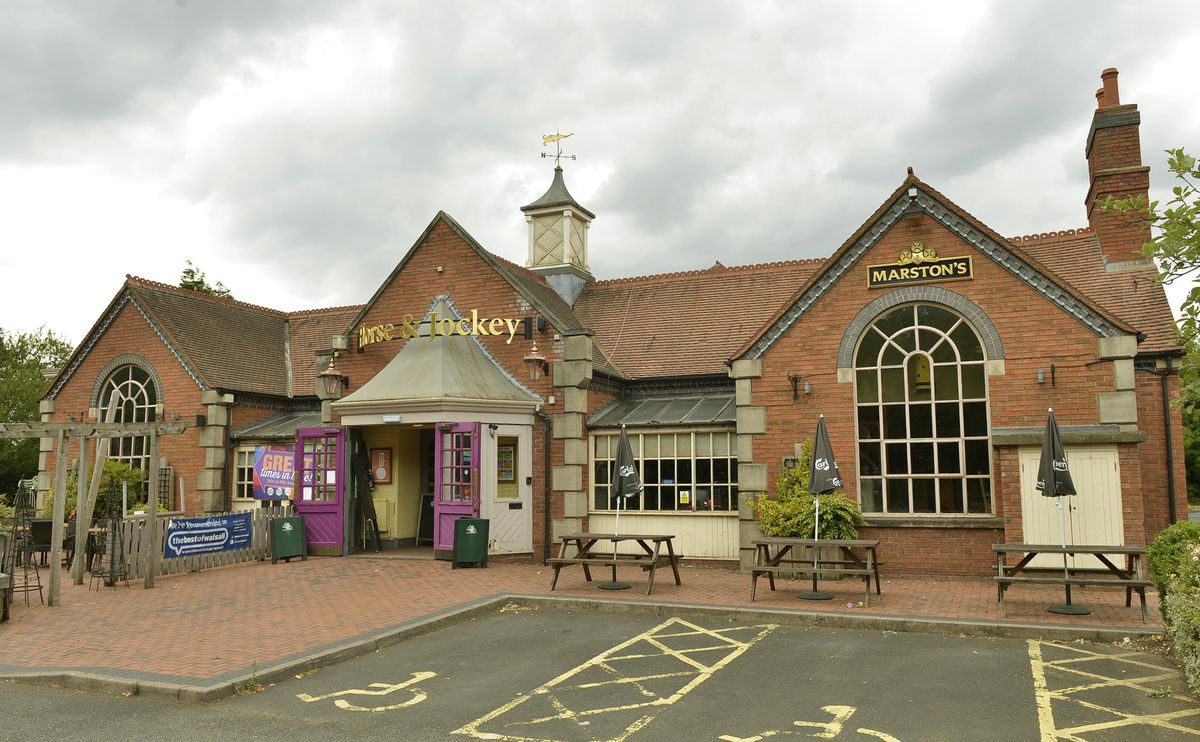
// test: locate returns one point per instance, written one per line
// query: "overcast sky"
(294, 151)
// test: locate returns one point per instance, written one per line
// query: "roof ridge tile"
(192, 293)
(712, 270)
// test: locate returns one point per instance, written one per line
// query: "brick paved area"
(216, 624)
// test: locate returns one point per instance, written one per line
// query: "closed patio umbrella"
(823, 477)
(625, 484)
(1054, 480)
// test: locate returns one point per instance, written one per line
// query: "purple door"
(318, 492)
(456, 480)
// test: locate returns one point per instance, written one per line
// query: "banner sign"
(187, 536)
(919, 264)
(274, 472)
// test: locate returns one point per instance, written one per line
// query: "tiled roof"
(237, 346)
(1130, 291)
(230, 344)
(680, 324)
(308, 332)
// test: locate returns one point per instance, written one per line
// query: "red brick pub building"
(470, 385)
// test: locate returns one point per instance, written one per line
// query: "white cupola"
(558, 229)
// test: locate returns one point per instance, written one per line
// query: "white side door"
(1091, 517)
(508, 488)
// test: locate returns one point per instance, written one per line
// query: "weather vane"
(557, 138)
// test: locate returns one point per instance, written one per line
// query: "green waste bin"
(288, 539)
(470, 542)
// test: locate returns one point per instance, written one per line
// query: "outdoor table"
(1131, 578)
(771, 552)
(587, 554)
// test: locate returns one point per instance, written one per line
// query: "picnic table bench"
(587, 556)
(771, 559)
(1130, 577)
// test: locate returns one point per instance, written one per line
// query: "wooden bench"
(649, 560)
(769, 563)
(1024, 572)
(1131, 586)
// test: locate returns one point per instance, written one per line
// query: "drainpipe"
(1164, 380)
(546, 479)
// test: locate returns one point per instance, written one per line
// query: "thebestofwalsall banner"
(187, 536)
(274, 467)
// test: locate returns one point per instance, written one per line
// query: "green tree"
(23, 359)
(193, 278)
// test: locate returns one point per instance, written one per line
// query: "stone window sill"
(932, 521)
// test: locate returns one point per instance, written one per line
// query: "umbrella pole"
(816, 594)
(614, 585)
(1067, 609)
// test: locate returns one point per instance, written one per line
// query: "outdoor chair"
(39, 537)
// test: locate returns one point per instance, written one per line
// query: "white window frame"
(239, 469)
(637, 438)
(880, 403)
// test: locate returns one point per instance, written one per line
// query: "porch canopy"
(448, 377)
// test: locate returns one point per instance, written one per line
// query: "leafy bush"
(790, 511)
(108, 500)
(1169, 550)
(1182, 611)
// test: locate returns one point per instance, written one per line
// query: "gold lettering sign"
(920, 264)
(410, 327)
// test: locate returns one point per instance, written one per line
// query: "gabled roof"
(685, 324)
(222, 343)
(528, 284)
(913, 193)
(454, 367)
(1130, 290)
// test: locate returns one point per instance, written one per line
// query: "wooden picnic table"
(1131, 577)
(770, 558)
(588, 555)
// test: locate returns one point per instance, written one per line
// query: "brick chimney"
(1114, 155)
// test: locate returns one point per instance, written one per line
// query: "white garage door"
(1091, 517)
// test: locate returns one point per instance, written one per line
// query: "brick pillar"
(752, 475)
(213, 437)
(572, 375)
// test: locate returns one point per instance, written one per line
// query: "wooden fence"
(133, 540)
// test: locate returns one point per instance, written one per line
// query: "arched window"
(921, 398)
(133, 391)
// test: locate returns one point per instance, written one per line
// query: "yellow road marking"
(831, 729)
(383, 690)
(1135, 688)
(723, 647)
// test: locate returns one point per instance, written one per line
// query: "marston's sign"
(919, 264)
(410, 327)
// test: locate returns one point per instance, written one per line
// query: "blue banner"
(188, 536)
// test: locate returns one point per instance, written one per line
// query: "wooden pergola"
(103, 433)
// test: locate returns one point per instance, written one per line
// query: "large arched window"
(921, 398)
(136, 401)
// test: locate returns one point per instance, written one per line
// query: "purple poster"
(274, 472)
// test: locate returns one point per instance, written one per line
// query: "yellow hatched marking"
(694, 672)
(1136, 688)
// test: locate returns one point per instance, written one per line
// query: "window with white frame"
(136, 402)
(922, 415)
(243, 474)
(688, 471)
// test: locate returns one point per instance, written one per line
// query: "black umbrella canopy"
(1054, 479)
(625, 481)
(824, 476)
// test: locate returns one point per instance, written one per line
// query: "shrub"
(790, 511)
(1182, 610)
(1169, 550)
(108, 500)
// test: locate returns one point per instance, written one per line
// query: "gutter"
(546, 480)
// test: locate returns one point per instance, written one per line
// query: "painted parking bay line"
(622, 689)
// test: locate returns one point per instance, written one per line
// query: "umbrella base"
(1069, 609)
(618, 586)
(815, 595)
